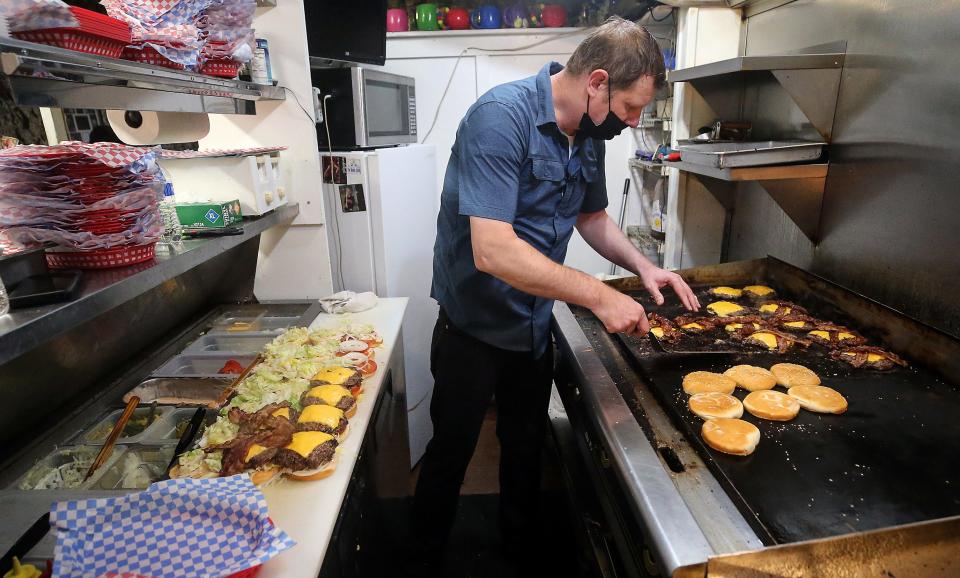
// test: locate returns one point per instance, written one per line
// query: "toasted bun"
(314, 474)
(819, 398)
(706, 381)
(351, 412)
(772, 405)
(263, 476)
(790, 374)
(731, 436)
(714, 404)
(751, 378)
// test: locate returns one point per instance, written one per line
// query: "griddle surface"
(890, 459)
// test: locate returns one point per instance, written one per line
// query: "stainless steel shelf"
(756, 64)
(23, 329)
(762, 173)
(811, 79)
(645, 164)
(798, 189)
(48, 76)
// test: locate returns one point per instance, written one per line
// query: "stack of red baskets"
(97, 34)
(146, 54)
(215, 67)
(97, 203)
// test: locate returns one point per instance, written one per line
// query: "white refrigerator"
(381, 216)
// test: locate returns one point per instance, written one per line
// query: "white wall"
(486, 59)
(694, 217)
(294, 261)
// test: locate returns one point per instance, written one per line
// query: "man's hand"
(620, 313)
(601, 233)
(654, 278)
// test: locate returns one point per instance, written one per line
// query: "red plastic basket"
(148, 55)
(96, 34)
(74, 39)
(222, 68)
(101, 258)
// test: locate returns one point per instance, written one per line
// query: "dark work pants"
(467, 374)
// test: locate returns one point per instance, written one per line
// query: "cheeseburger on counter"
(291, 411)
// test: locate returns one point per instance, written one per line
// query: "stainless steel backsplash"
(889, 227)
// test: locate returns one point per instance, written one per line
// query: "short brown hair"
(624, 49)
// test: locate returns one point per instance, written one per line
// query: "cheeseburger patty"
(291, 460)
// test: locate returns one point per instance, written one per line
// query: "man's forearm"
(517, 263)
(603, 235)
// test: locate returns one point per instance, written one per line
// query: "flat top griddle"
(890, 459)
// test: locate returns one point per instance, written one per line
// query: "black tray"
(15, 267)
(53, 287)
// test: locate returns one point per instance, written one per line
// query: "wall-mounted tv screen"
(348, 30)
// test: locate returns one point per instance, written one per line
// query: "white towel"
(349, 302)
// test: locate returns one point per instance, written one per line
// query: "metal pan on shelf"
(749, 154)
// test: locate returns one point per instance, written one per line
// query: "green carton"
(209, 215)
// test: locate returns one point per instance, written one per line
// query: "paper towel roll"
(148, 127)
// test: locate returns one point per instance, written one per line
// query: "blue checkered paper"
(199, 528)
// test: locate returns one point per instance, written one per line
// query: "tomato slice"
(231, 367)
(369, 368)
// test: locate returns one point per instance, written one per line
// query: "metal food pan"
(236, 323)
(133, 432)
(184, 391)
(67, 463)
(245, 325)
(230, 343)
(750, 154)
(200, 365)
(136, 469)
(169, 429)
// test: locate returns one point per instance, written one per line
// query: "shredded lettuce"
(267, 386)
(190, 461)
(213, 461)
(220, 432)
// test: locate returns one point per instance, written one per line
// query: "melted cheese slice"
(760, 290)
(726, 291)
(724, 308)
(658, 331)
(305, 442)
(735, 326)
(844, 335)
(254, 451)
(692, 326)
(323, 414)
(769, 308)
(795, 324)
(335, 375)
(767, 339)
(820, 334)
(329, 394)
(871, 357)
(282, 412)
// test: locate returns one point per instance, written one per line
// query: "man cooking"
(526, 168)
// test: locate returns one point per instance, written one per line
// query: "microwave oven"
(360, 108)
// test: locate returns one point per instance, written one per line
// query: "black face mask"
(609, 128)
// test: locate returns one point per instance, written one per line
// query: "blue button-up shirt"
(511, 163)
